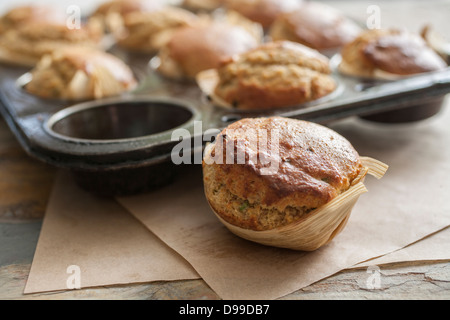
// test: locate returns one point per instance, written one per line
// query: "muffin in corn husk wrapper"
(194, 49)
(80, 73)
(300, 209)
(273, 75)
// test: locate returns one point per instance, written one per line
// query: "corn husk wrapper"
(320, 226)
(437, 42)
(207, 81)
(96, 82)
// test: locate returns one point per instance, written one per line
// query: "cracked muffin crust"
(315, 165)
(274, 75)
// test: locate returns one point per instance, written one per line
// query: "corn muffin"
(389, 54)
(112, 13)
(28, 43)
(262, 11)
(315, 25)
(204, 46)
(21, 15)
(274, 75)
(314, 165)
(202, 5)
(80, 73)
(147, 32)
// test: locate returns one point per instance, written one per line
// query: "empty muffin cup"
(121, 147)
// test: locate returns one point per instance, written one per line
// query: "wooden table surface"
(25, 185)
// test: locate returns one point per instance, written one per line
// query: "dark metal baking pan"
(107, 141)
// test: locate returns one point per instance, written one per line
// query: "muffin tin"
(123, 145)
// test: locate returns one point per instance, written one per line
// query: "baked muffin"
(315, 25)
(202, 5)
(147, 32)
(204, 46)
(262, 11)
(27, 44)
(80, 73)
(388, 54)
(310, 166)
(21, 15)
(112, 13)
(274, 75)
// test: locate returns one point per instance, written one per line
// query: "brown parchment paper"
(435, 247)
(102, 240)
(407, 205)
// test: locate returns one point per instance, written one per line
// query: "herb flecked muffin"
(314, 165)
(274, 75)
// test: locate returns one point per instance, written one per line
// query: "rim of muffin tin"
(73, 106)
(121, 102)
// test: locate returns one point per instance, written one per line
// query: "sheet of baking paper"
(407, 205)
(88, 241)
(433, 248)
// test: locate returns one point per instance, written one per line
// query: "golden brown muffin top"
(315, 25)
(262, 11)
(87, 59)
(149, 31)
(31, 14)
(26, 44)
(157, 20)
(207, 5)
(58, 32)
(75, 72)
(285, 52)
(313, 164)
(275, 74)
(205, 46)
(124, 7)
(393, 51)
